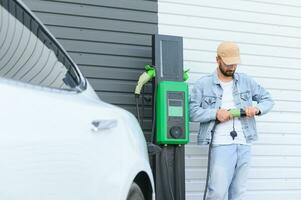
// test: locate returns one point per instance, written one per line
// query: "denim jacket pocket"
(208, 102)
(246, 98)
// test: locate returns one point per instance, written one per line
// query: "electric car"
(58, 140)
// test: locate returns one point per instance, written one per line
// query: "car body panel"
(49, 149)
(61, 143)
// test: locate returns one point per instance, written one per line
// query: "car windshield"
(29, 54)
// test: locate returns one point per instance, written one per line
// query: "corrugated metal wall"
(109, 40)
(269, 34)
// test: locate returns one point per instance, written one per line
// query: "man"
(210, 100)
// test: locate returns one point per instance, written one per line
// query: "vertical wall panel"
(268, 33)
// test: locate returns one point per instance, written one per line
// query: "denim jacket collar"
(216, 80)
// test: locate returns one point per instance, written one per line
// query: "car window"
(29, 54)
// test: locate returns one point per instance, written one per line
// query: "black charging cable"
(142, 104)
(209, 153)
(137, 108)
(242, 114)
(233, 133)
(154, 88)
(209, 157)
(140, 117)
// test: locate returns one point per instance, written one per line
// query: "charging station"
(172, 112)
(171, 117)
(170, 129)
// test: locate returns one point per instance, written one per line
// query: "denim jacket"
(206, 99)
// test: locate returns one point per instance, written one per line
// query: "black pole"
(170, 173)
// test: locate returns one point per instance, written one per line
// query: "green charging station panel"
(172, 113)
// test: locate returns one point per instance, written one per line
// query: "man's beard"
(227, 73)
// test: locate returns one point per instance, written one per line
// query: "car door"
(51, 150)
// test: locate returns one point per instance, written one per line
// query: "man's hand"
(251, 111)
(223, 115)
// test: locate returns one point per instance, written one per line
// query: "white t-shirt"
(222, 131)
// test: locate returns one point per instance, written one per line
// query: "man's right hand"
(223, 115)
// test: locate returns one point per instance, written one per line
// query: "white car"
(58, 141)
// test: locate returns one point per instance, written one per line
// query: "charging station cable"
(143, 79)
(236, 112)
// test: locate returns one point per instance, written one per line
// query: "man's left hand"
(251, 111)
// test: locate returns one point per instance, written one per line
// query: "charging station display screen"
(175, 108)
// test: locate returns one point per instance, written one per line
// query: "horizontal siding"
(103, 36)
(109, 40)
(98, 9)
(140, 5)
(269, 36)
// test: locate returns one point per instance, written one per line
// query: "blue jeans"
(229, 166)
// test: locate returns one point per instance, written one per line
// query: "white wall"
(269, 35)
